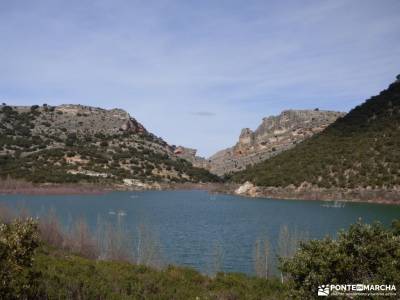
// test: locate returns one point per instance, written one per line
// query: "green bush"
(103, 143)
(18, 242)
(365, 254)
(67, 276)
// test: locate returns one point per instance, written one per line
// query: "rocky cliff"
(70, 143)
(189, 154)
(274, 135)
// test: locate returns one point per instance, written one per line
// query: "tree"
(365, 254)
(71, 139)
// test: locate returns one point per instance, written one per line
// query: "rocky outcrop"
(189, 154)
(139, 185)
(247, 189)
(81, 119)
(92, 120)
(274, 135)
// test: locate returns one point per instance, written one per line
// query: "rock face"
(92, 120)
(247, 189)
(189, 154)
(274, 135)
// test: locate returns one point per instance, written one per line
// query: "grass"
(68, 276)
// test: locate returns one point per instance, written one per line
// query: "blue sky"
(196, 72)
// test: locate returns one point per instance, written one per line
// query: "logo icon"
(359, 287)
(323, 290)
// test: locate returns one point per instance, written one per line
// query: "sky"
(196, 72)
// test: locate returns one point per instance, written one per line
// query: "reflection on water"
(334, 204)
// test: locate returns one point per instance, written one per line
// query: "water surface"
(191, 225)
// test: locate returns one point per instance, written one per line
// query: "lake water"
(191, 225)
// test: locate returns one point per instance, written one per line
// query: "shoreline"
(250, 191)
(377, 196)
(55, 189)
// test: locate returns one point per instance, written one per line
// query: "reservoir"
(193, 227)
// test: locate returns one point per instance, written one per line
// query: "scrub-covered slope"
(71, 143)
(359, 150)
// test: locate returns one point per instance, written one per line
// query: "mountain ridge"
(274, 135)
(72, 143)
(358, 151)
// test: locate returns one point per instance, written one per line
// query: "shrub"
(365, 254)
(18, 242)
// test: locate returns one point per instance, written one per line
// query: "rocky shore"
(306, 192)
(288, 193)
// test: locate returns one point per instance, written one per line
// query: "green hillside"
(362, 149)
(74, 143)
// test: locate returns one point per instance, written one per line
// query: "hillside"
(75, 143)
(359, 150)
(274, 135)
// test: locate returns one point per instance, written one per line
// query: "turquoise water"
(190, 225)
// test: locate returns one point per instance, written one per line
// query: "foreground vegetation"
(40, 262)
(73, 277)
(359, 150)
(33, 272)
(365, 254)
